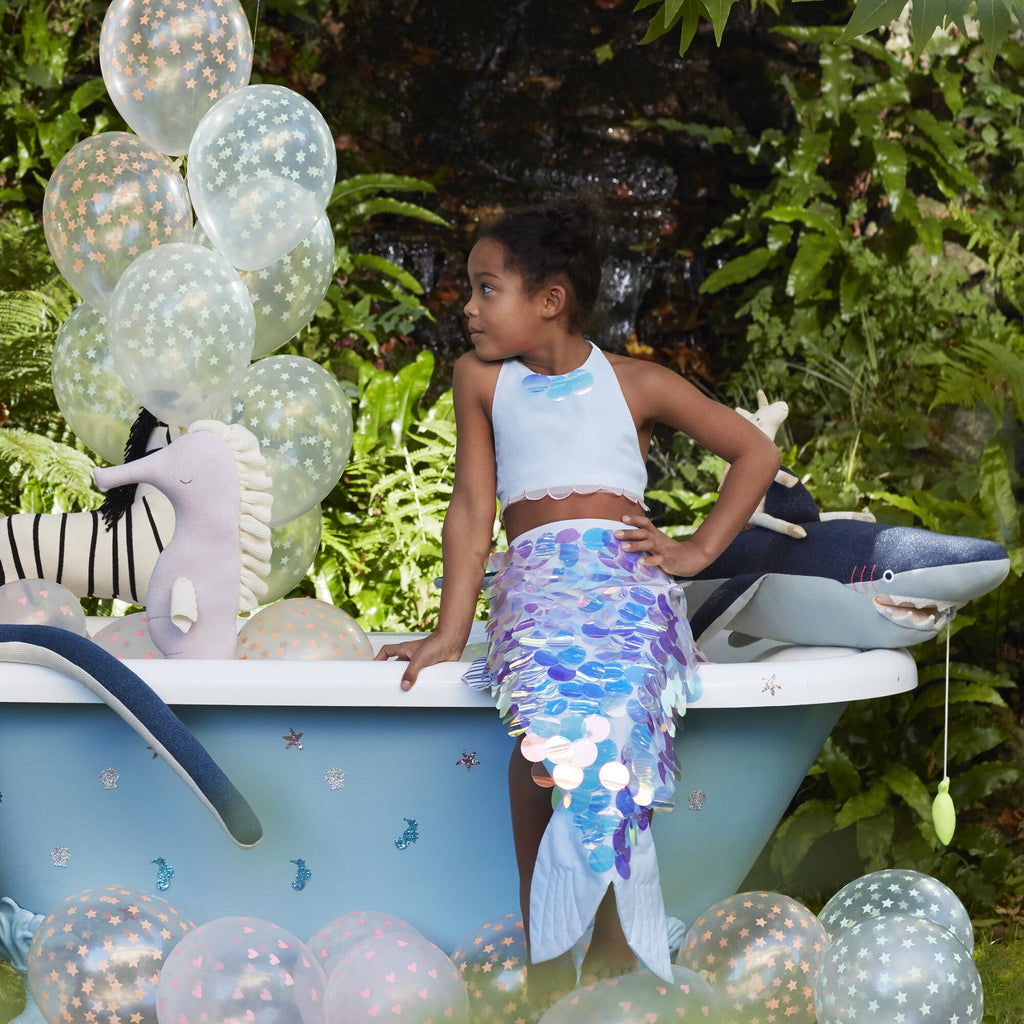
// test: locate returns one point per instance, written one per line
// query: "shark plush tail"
(113, 682)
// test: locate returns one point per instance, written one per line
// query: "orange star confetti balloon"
(109, 200)
(760, 952)
(98, 955)
(165, 64)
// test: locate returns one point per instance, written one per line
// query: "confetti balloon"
(286, 294)
(243, 971)
(261, 168)
(165, 65)
(181, 330)
(110, 199)
(898, 968)
(32, 602)
(760, 952)
(638, 998)
(302, 629)
(127, 636)
(98, 954)
(293, 547)
(492, 961)
(303, 422)
(333, 942)
(92, 396)
(395, 976)
(897, 891)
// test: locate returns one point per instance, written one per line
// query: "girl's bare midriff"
(530, 513)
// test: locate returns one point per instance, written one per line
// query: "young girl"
(590, 653)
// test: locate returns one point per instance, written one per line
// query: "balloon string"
(945, 723)
(255, 24)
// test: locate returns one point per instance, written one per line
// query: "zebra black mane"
(120, 499)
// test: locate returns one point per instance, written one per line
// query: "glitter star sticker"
(294, 739)
(468, 760)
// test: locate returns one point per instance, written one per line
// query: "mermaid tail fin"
(566, 891)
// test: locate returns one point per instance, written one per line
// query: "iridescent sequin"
(561, 387)
(591, 658)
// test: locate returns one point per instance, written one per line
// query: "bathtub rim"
(785, 676)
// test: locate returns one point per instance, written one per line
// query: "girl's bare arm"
(468, 525)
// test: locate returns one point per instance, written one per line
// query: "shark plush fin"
(723, 604)
(111, 680)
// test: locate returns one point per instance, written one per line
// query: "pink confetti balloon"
(110, 199)
(98, 954)
(761, 952)
(127, 636)
(395, 977)
(641, 998)
(333, 942)
(165, 65)
(492, 961)
(244, 970)
(34, 602)
(303, 629)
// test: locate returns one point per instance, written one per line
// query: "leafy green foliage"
(995, 19)
(875, 266)
(381, 550)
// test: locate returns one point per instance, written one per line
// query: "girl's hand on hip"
(677, 558)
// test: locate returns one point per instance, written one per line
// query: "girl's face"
(502, 319)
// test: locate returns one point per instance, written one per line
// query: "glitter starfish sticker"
(294, 739)
(468, 760)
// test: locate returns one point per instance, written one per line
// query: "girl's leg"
(549, 980)
(609, 954)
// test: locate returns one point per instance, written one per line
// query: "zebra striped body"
(77, 550)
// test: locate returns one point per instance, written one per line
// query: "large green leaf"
(869, 15)
(737, 270)
(891, 161)
(812, 256)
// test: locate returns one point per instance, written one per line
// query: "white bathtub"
(336, 761)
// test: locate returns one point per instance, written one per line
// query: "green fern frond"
(983, 372)
(39, 463)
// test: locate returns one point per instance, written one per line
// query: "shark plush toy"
(847, 582)
(139, 706)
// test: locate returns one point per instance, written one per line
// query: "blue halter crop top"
(569, 434)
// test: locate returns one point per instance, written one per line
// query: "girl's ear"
(556, 300)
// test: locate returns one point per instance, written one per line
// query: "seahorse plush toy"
(213, 567)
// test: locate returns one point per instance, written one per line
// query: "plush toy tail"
(133, 699)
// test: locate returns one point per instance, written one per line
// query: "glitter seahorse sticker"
(410, 835)
(302, 875)
(164, 874)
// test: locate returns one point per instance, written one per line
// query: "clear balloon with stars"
(181, 329)
(98, 956)
(303, 422)
(261, 168)
(901, 970)
(110, 199)
(165, 65)
(897, 891)
(90, 392)
(760, 952)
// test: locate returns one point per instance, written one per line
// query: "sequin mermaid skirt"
(590, 660)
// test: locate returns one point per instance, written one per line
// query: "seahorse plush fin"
(184, 609)
(133, 699)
